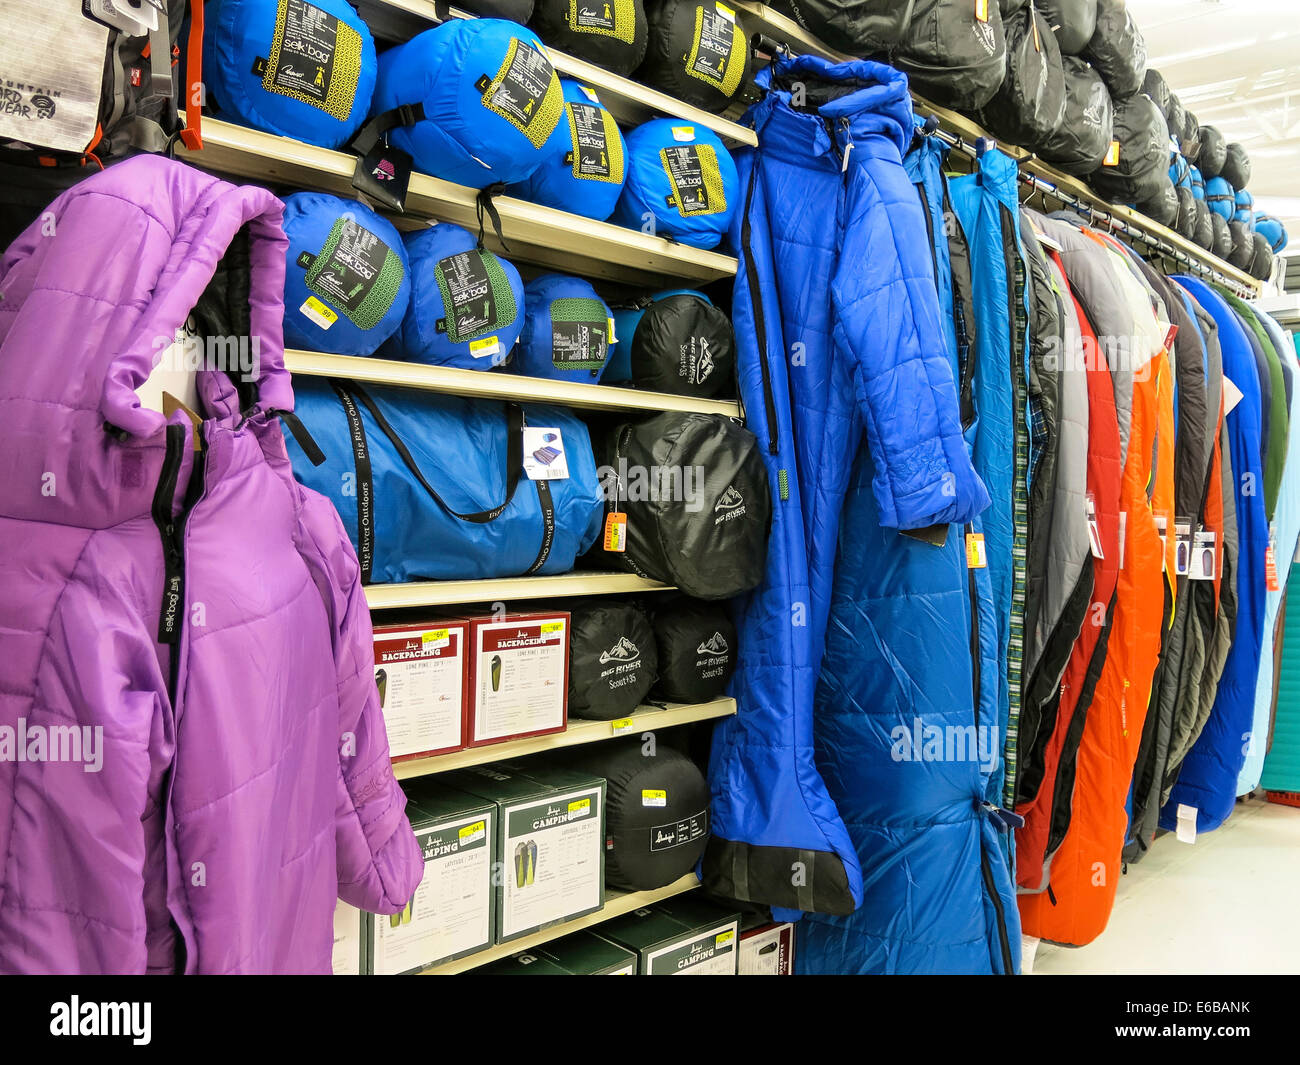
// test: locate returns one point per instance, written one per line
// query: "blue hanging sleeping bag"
(681, 183)
(1245, 210)
(298, 69)
(1221, 197)
(487, 97)
(466, 307)
(585, 161)
(1269, 228)
(567, 330)
(1198, 182)
(436, 484)
(346, 279)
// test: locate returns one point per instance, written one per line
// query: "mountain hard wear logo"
(623, 651)
(714, 645)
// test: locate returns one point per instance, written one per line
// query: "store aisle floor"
(1226, 904)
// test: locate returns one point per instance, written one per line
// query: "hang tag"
(976, 553)
(589, 93)
(684, 134)
(544, 458)
(1186, 831)
(612, 339)
(616, 531)
(1123, 530)
(1038, 41)
(982, 10)
(1204, 556)
(1232, 395)
(171, 405)
(1182, 548)
(1270, 560)
(1171, 334)
(383, 174)
(322, 315)
(1162, 528)
(1094, 529)
(1112, 155)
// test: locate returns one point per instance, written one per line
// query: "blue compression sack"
(1272, 230)
(680, 177)
(566, 331)
(466, 307)
(1221, 197)
(487, 100)
(298, 69)
(585, 161)
(346, 278)
(1245, 211)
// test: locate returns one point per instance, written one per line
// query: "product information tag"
(1112, 155)
(1038, 40)
(1182, 548)
(1186, 823)
(1204, 556)
(616, 532)
(1171, 334)
(318, 312)
(711, 49)
(692, 169)
(51, 75)
(1094, 528)
(484, 347)
(589, 93)
(725, 12)
(357, 272)
(435, 638)
(1232, 395)
(383, 174)
(590, 143)
(654, 797)
(976, 553)
(1270, 559)
(684, 134)
(544, 458)
(1162, 528)
(467, 294)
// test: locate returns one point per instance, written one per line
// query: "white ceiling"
(1236, 64)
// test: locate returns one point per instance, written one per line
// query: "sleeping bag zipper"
(760, 323)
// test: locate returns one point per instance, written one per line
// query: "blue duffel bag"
(681, 183)
(297, 68)
(434, 487)
(473, 101)
(567, 330)
(1221, 197)
(585, 161)
(466, 307)
(346, 278)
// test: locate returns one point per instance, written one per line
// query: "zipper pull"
(1008, 819)
(848, 145)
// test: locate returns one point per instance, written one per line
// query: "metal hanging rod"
(1097, 216)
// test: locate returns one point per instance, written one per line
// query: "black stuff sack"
(1222, 246)
(695, 52)
(610, 33)
(612, 659)
(856, 27)
(693, 491)
(1117, 49)
(1080, 145)
(1213, 154)
(1236, 166)
(1030, 105)
(1072, 22)
(954, 52)
(697, 646)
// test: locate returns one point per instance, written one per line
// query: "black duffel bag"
(857, 27)
(613, 659)
(1029, 107)
(954, 52)
(1117, 49)
(697, 645)
(1080, 144)
(695, 494)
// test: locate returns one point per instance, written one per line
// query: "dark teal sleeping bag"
(585, 161)
(487, 95)
(298, 69)
(346, 279)
(466, 307)
(567, 330)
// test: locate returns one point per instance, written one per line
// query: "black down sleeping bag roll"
(858, 27)
(1117, 49)
(1155, 86)
(1079, 146)
(954, 52)
(1029, 107)
(1222, 244)
(1213, 154)
(1236, 166)
(695, 52)
(694, 491)
(1162, 207)
(1261, 266)
(1176, 118)
(519, 11)
(1186, 222)
(1071, 21)
(1204, 225)
(697, 650)
(1190, 138)
(656, 810)
(1143, 150)
(1243, 246)
(612, 659)
(610, 33)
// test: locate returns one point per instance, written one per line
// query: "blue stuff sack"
(346, 277)
(1221, 197)
(567, 330)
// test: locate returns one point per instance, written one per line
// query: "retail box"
(578, 954)
(451, 914)
(550, 843)
(422, 673)
(518, 676)
(525, 963)
(349, 958)
(767, 950)
(680, 937)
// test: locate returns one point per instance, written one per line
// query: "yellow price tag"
(579, 806)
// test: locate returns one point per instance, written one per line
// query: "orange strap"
(191, 135)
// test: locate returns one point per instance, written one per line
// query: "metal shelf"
(506, 589)
(628, 101)
(645, 718)
(480, 384)
(616, 905)
(537, 234)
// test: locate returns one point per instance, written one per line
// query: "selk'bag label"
(468, 299)
(314, 58)
(696, 181)
(357, 273)
(579, 334)
(596, 155)
(717, 49)
(526, 92)
(679, 833)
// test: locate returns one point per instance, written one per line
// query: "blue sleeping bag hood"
(566, 330)
(1221, 197)
(346, 278)
(585, 161)
(681, 179)
(466, 307)
(487, 96)
(297, 69)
